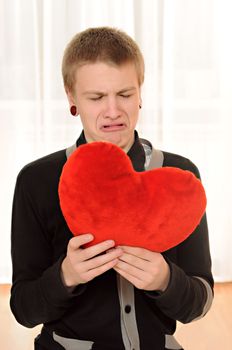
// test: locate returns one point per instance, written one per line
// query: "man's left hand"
(143, 268)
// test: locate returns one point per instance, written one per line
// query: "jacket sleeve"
(38, 294)
(189, 294)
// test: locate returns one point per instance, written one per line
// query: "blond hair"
(100, 44)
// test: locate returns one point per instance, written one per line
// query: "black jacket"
(92, 311)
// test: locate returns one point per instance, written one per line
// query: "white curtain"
(187, 95)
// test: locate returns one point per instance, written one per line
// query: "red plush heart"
(100, 193)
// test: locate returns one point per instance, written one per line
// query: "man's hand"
(82, 265)
(143, 268)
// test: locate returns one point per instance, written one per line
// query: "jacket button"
(127, 309)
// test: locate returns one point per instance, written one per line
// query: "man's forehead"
(99, 76)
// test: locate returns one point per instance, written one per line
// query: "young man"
(127, 298)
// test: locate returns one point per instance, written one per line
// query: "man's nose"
(112, 109)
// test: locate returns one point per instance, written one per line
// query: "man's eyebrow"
(100, 93)
(127, 89)
(93, 92)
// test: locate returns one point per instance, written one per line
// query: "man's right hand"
(81, 265)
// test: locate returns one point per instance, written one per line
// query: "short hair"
(100, 44)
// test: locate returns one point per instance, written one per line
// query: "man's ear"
(140, 99)
(71, 100)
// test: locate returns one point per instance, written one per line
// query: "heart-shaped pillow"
(100, 193)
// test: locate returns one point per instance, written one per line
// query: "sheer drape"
(187, 93)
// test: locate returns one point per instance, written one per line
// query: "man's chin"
(117, 138)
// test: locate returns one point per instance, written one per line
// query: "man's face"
(107, 98)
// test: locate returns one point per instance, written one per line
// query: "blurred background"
(187, 94)
(187, 109)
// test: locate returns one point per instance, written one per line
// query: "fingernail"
(110, 241)
(89, 237)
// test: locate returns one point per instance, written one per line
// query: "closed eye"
(95, 98)
(125, 95)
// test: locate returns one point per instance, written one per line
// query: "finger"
(96, 249)
(131, 270)
(103, 259)
(139, 252)
(132, 279)
(101, 269)
(135, 261)
(77, 241)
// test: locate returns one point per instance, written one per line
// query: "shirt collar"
(136, 152)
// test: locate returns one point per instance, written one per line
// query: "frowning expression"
(107, 99)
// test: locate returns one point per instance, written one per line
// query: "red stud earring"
(73, 110)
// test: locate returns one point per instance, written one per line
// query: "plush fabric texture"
(100, 193)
